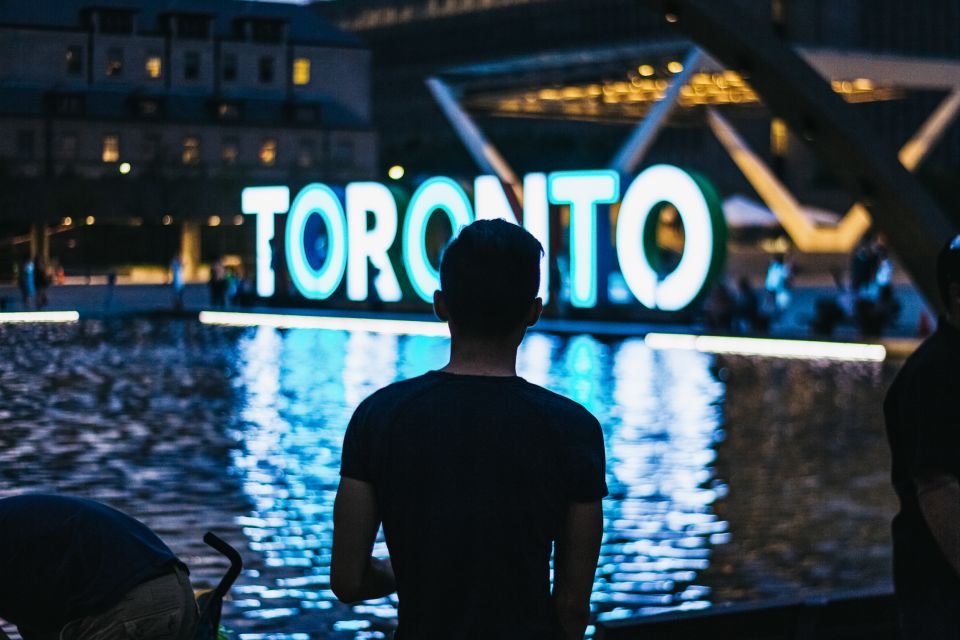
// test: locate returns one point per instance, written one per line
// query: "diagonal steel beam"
(913, 223)
(632, 152)
(806, 236)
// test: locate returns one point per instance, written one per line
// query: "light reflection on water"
(192, 427)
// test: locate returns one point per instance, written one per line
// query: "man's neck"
(481, 358)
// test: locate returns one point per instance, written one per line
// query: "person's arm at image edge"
(355, 574)
(939, 496)
(575, 564)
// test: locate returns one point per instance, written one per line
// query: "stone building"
(129, 127)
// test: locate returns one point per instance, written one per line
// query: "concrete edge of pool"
(422, 325)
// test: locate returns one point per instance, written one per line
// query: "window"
(229, 67)
(153, 66)
(195, 27)
(68, 104)
(114, 61)
(150, 149)
(265, 68)
(191, 65)
(267, 31)
(68, 146)
(191, 150)
(306, 114)
(148, 107)
(230, 151)
(111, 148)
(301, 71)
(228, 111)
(306, 154)
(116, 22)
(74, 60)
(26, 144)
(343, 151)
(268, 152)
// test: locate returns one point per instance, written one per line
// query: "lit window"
(191, 150)
(154, 66)
(114, 61)
(230, 151)
(111, 148)
(779, 137)
(301, 71)
(74, 60)
(268, 152)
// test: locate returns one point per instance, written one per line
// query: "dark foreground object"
(841, 616)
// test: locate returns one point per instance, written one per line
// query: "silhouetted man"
(475, 473)
(72, 569)
(923, 426)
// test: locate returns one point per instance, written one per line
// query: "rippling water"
(730, 478)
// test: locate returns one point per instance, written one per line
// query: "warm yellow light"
(91, 219)
(646, 70)
(301, 71)
(778, 137)
(111, 148)
(674, 66)
(213, 221)
(125, 168)
(238, 220)
(154, 67)
(396, 172)
(671, 17)
(67, 221)
(136, 222)
(268, 152)
(167, 220)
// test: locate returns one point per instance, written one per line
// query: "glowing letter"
(265, 202)
(316, 284)
(372, 243)
(656, 185)
(436, 193)
(583, 191)
(490, 203)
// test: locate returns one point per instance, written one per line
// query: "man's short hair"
(490, 275)
(948, 268)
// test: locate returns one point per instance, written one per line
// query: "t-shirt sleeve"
(355, 458)
(935, 408)
(586, 463)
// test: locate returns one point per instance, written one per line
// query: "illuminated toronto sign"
(327, 239)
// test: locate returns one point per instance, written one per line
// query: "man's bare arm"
(354, 574)
(575, 565)
(939, 497)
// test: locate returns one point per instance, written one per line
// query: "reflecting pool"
(730, 478)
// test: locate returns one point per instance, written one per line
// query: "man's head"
(948, 277)
(489, 278)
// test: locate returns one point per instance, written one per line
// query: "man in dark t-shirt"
(477, 475)
(72, 568)
(922, 412)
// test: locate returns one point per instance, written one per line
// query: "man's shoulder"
(393, 396)
(558, 407)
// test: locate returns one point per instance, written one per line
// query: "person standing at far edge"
(923, 427)
(475, 473)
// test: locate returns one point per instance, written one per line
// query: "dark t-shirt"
(922, 411)
(63, 558)
(472, 477)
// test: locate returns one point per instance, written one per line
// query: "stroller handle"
(236, 563)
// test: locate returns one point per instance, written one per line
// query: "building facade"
(156, 113)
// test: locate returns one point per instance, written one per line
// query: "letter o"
(703, 246)
(436, 193)
(316, 284)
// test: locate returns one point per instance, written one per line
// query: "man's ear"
(535, 310)
(440, 307)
